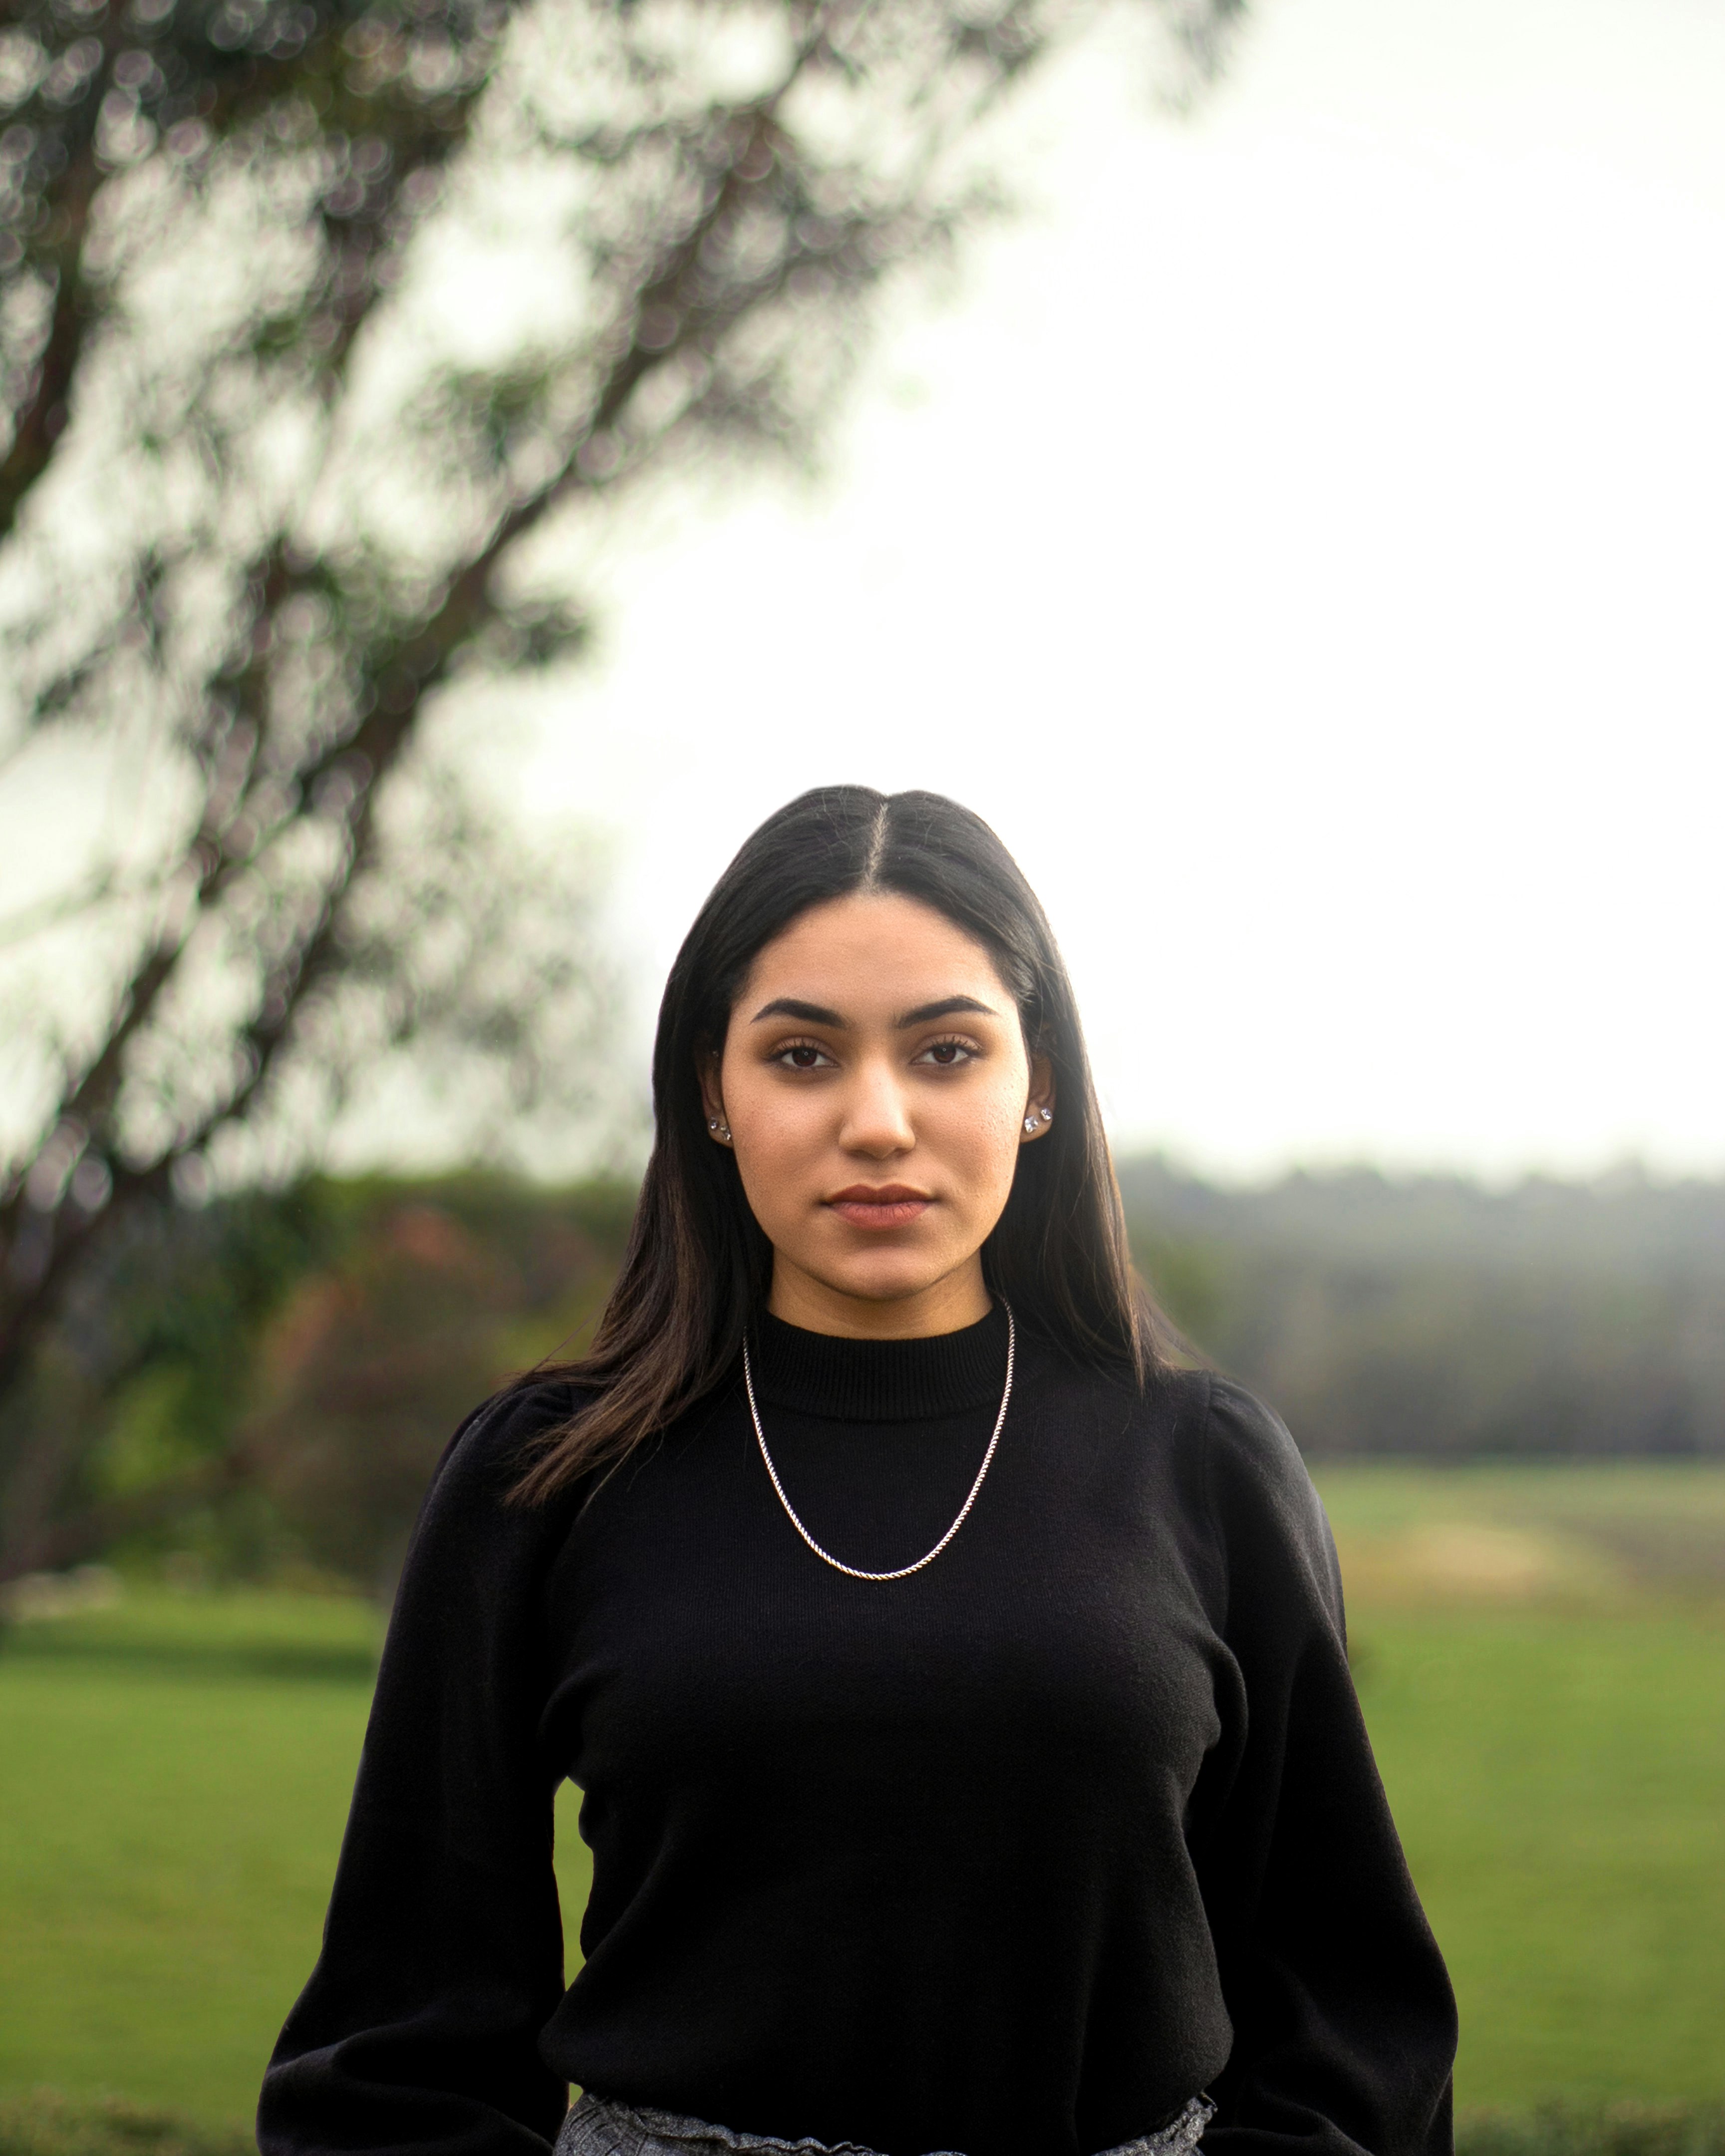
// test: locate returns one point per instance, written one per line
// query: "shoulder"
(1157, 1427)
(1241, 1497)
(473, 1487)
(1250, 1445)
(477, 1553)
(1060, 1378)
(1267, 1515)
(1147, 1437)
(1197, 1413)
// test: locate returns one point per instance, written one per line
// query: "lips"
(892, 1205)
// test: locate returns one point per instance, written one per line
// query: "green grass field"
(1541, 1654)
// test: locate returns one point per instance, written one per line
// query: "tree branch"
(38, 421)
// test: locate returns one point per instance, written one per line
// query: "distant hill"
(1431, 1315)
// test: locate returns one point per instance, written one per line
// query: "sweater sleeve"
(442, 1950)
(1344, 2022)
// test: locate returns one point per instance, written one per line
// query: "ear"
(1040, 1106)
(712, 1100)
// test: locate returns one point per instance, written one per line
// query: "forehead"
(878, 950)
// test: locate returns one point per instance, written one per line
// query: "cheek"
(772, 1152)
(776, 1118)
(984, 1145)
(780, 1133)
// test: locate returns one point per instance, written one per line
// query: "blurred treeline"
(1434, 1316)
(260, 1386)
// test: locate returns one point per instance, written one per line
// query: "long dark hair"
(697, 1266)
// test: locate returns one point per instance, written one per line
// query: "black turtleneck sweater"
(1010, 1857)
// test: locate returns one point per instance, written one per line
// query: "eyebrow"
(789, 1007)
(819, 1014)
(948, 1007)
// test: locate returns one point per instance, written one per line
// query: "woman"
(957, 1689)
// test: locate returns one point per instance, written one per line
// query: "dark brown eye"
(804, 1059)
(945, 1051)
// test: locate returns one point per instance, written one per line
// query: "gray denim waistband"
(597, 2127)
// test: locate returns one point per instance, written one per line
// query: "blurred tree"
(473, 954)
(291, 489)
(369, 1371)
(93, 89)
(267, 1380)
(374, 1362)
(135, 1399)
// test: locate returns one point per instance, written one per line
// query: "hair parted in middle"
(697, 1266)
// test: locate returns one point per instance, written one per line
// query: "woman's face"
(875, 1085)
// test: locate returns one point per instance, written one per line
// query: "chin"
(882, 1281)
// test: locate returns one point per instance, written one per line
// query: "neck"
(945, 1306)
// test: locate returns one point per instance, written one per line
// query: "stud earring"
(1030, 1123)
(720, 1131)
(1048, 1115)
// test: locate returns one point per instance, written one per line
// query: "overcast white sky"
(1301, 536)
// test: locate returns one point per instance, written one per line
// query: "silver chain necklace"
(904, 1571)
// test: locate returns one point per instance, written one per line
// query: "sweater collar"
(819, 1373)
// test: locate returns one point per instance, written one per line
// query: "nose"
(877, 1120)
